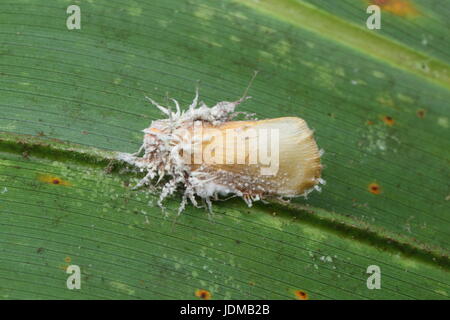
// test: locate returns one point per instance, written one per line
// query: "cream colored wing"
(268, 157)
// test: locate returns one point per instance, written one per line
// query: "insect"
(205, 154)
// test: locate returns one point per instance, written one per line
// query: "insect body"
(204, 153)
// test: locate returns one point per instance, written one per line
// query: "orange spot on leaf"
(402, 8)
(46, 178)
(203, 294)
(374, 188)
(68, 259)
(421, 113)
(388, 121)
(301, 295)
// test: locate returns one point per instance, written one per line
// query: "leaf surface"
(377, 100)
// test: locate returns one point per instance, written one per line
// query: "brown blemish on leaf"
(402, 8)
(374, 188)
(68, 259)
(421, 113)
(46, 178)
(388, 120)
(203, 294)
(369, 122)
(301, 295)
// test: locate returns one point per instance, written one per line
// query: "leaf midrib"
(337, 223)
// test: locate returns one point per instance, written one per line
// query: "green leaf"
(377, 100)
